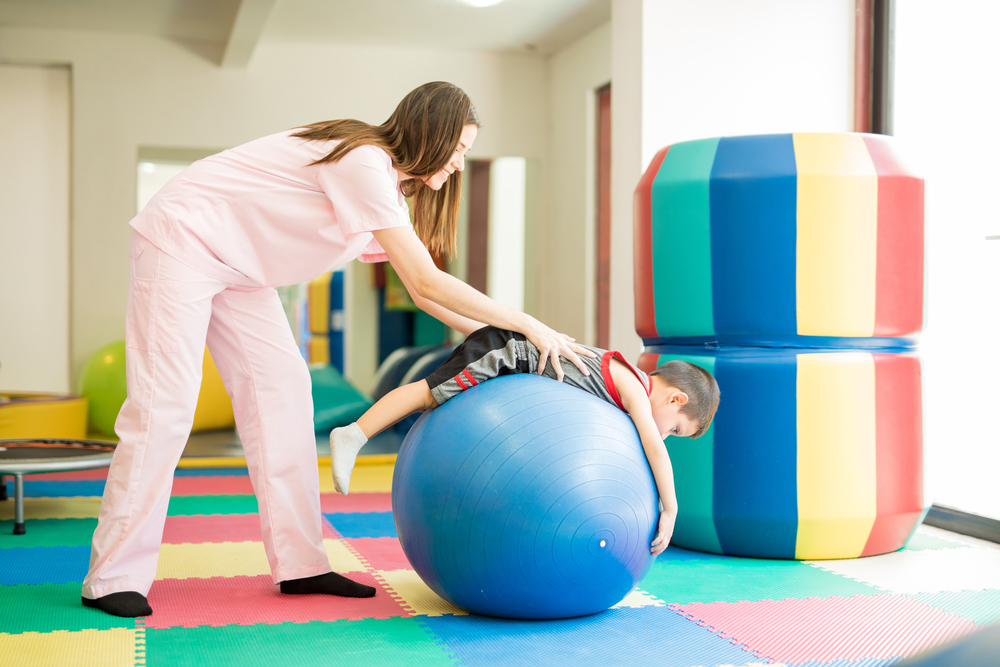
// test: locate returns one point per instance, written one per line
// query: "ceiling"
(236, 26)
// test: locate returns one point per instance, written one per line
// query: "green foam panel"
(191, 505)
(50, 607)
(392, 641)
(746, 580)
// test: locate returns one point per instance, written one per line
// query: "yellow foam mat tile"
(236, 559)
(375, 478)
(82, 507)
(86, 648)
(639, 598)
(413, 593)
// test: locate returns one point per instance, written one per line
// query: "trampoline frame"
(21, 467)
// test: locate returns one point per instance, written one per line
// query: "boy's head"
(687, 390)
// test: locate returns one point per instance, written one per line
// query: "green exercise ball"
(103, 384)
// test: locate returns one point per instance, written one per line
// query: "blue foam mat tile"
(211, 472)
(627, 636)
(363, 524)
(53, 489)
(43, 565)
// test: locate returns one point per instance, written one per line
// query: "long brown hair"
(420, 137)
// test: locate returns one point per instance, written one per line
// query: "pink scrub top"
(259, 215)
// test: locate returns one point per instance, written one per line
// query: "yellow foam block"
(215, 409)
(639, 598)
(86, 648)
(365, 479)
(73, 507)
(236, 559)
(33, 415)
(417, 595)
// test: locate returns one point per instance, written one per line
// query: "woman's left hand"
(552, 346)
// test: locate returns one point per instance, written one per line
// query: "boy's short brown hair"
(700, 386)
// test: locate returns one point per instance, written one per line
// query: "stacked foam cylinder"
(791, 267)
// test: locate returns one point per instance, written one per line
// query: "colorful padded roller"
(808, 240)
(812, 455)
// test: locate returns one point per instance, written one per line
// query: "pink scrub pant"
(172, 311)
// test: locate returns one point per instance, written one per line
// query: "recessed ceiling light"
(480, 3)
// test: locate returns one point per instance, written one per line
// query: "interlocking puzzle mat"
(214, 603)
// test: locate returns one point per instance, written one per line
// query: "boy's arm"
(635, 400)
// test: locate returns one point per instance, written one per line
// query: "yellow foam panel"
(81, 507)
(33, 415)
(236, 559)
(375, 478)
(417, 596)
(86, 648)
(215, 408)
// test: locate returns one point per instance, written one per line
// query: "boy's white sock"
(345, 443)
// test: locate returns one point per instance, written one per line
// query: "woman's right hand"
(552, 346)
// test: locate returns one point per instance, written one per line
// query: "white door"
(34, 228)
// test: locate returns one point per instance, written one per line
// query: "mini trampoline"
(24, 457)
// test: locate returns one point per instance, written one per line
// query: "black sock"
(127, 603)
(330, 583)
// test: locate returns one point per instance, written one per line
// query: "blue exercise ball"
(524, 497)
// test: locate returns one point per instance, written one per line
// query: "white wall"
(34, 229)
(689, 70)
(947, 66)
(131, 91)
(568, 238)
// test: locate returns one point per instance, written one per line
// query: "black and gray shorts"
(487, 353)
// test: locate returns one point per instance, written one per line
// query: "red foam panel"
(828, 629)
(223, 485)
(356, 502)
(382, 553)
(220, 601)
(220, 528)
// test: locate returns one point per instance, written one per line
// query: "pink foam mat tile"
(220, 528)
(220, 601)
(75, 476)
(356, 502)
(828, 629)
(382, 553)
(212, 486)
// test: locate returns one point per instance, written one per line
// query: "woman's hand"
(552, 345)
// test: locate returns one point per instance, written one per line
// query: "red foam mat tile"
(222, 601)
(382, 553)
(220, 528)
(828, 629)
(75, 476)
(355, 502)
(212, 486)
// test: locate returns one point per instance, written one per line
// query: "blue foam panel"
(53, 489)
(641, 636)
(43, 565)
(752, 194)
(363, 524)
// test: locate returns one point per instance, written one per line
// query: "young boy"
(678, 398)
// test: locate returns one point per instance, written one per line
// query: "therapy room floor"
(214, 604)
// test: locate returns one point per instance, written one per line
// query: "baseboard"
(963, 523)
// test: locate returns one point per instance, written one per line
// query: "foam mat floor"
(214, 603)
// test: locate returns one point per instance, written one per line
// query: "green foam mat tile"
(980, 607)
(746, 580)
(386, 642)
(191, 505)
(48, 533)
(50, 607)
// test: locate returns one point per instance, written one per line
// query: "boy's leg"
(347, 441)
(169, 306)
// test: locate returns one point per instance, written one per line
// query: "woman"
(206, 253)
